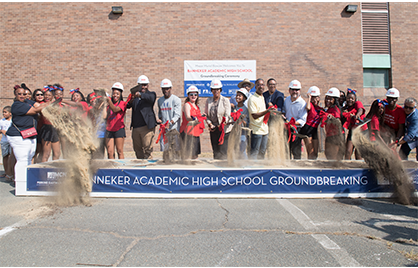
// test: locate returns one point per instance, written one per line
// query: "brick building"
(85, 45)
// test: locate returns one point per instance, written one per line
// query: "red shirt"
(313, 118)
(394, 117)
(375, 126)
(115, 120)
(353, 110)
(332, 129)
(192, 130)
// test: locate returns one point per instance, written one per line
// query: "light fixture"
(117, 10)
(351, 8)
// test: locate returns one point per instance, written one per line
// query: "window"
(376, 78)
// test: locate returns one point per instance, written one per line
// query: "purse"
(27, 133)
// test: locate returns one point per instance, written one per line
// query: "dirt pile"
(336, 143)
(171, 152)
(277, 146)
(385, 164)
(234, 141)
(80, 142)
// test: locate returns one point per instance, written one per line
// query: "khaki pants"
(142, 138)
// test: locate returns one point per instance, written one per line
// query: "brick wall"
(404, 41)
(84, 45)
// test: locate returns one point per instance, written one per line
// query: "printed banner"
(201, 73)
(227, 181)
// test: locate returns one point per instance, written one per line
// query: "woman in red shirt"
(192, 125)
(115, 129)
(377, 116)
(334, 141)
(354, 110)
(312, 122)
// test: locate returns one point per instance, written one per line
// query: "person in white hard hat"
(169, 109)
(192, 125)
(334, 141)
(313, 119)
(143, 121)
(394, 117)
(295, 107)
(257, 110)
(241, 97)
(115, 126)
(248, 85)
(272, 96)
(218, 107)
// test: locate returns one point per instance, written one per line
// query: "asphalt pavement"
(206, 232)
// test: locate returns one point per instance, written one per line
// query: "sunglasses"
(295, 89)
(408, 107)
(39, 95)
(20, 94)
(192, 94)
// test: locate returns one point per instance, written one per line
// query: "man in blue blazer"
(143, 118)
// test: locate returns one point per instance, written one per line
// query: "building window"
(376, 78)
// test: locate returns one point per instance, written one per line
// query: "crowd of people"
(29, 137)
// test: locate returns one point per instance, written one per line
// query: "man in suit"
(143, 118)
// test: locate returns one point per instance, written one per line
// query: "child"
(241, 97)
(6, 149)
(115, 129)
(312, 122)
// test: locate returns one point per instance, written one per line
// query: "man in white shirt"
(295, 106)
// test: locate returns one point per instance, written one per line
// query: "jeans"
(258, 146)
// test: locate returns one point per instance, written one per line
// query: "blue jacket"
(277, 99)
(411, 126)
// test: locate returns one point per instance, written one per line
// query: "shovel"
(295, 133)
(362, 122)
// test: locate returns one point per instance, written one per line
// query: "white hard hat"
(393, 93)
(243, 91)
(166, 83)
(295, 84)
(314, 91)
(192, 89)
(216, 83)
(118, 85)
(143, 80)
(333, 92)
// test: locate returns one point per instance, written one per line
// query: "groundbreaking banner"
(201, 73)
(228, 181)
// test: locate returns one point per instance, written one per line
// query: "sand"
(385, 163)
(81, 141)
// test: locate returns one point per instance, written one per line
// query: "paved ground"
(206, 232)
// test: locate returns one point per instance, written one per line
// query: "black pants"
(295, 148)
(219, 151)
